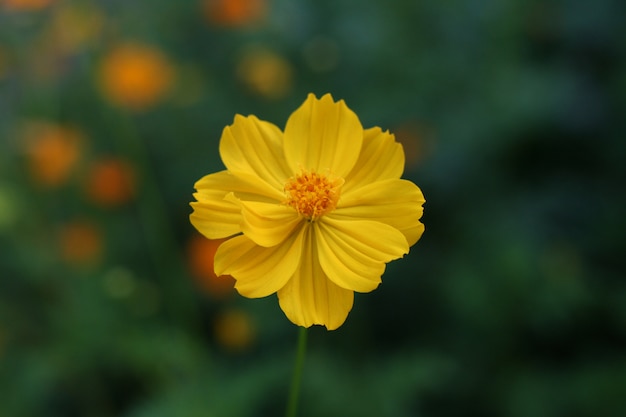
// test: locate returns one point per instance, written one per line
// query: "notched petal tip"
(381, 158)
(316, 305)
(254, 147)
(323, 135)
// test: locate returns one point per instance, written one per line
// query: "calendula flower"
(313, 213)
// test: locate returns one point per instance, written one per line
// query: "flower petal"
(350, 268)
(397, 203)
(322, 135)
(253, 146)
(259, 271)
(213, 216)
(310, 297)
(217, 216)
(381, 158)
(353, 253)
(267, 224)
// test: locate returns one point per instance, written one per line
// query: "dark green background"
(512, 304)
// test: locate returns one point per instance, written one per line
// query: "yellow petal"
(216, 216)
(259, 271)
(311, 298)
(381, 158)
(255, 147)
(268, 224)
(213, 216)
(249, 187)
(397, 203)
(348, 267)
(353, 253)
(322, 136)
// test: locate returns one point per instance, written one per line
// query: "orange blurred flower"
(234, 12)
(135, 76)
(201, 253)
(265, 73)
(52, 152)
(234, 330)
(110, 182)
(80, 242)
(25, 5)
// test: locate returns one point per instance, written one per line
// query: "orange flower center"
(312, 194)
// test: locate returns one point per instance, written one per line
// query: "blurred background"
(511, 114)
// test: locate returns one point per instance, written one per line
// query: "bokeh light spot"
(110, 182)
(119, 283)
(234, 13)
(80, 242)
(135, 76)
(265, 72)
(52, 152)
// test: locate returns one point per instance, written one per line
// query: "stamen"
(312, 194)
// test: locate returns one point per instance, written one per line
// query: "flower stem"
(292, 404)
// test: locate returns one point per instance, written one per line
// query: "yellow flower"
(265, 73)
(314, 213)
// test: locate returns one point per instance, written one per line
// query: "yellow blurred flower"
(135, 76)
(315, 212)
(74, 26)
(234, 12)
(52, 152)
(265, 73)
(234, 330)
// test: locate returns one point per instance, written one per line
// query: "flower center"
(313, 194)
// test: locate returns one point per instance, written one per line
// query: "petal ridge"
(381, 158)
(267, 224)
(310, 298)
(397, 203)
(345, 265)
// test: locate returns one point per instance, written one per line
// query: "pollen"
(312, 194)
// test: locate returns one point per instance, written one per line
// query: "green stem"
(292, 405)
